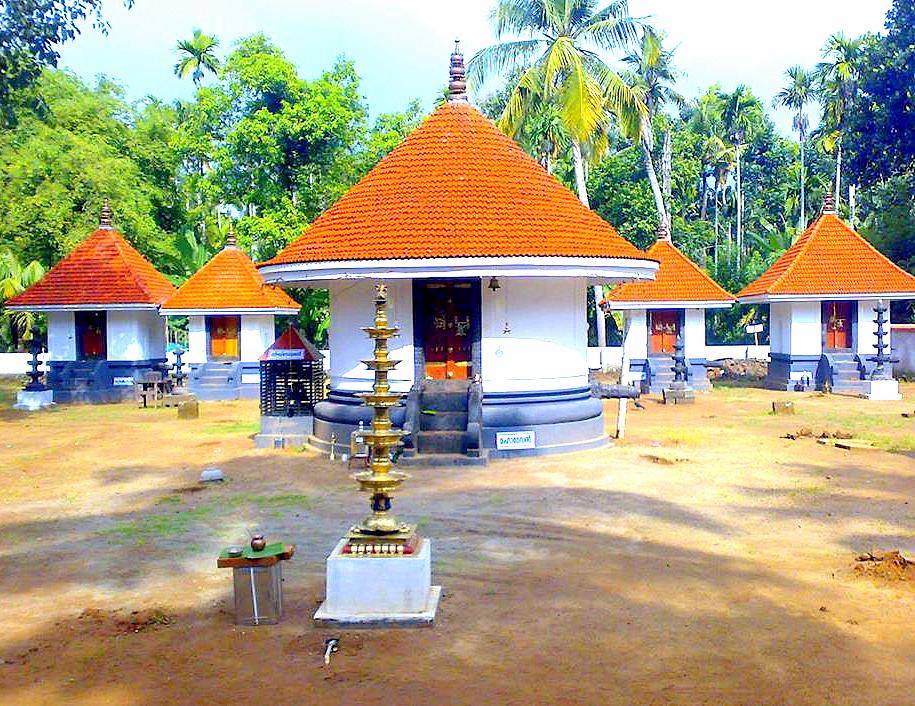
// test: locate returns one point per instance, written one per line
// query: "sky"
(401, 47)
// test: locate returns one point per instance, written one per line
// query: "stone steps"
(443, 421)
(440, 442)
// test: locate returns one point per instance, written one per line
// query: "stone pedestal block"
(284, 432)
(882, 390)
(386, 591)
(189, 409)
(32, 400)
(679, 393)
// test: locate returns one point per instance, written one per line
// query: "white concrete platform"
(882, 390)
(31, 401)
(393, 591)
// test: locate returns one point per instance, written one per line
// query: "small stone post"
(35, 384)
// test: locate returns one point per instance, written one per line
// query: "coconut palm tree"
(557, 57)
(742, 114)
(15, 278)
(196, 56)
(795, 96)
(836, 78)
(650, 76)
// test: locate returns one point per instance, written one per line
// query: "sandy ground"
(703, 560)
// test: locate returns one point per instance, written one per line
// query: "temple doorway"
(91, 335)
(838, 320)
(447, 318)
(665, 327)
(223, 335)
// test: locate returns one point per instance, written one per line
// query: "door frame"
(207, 319)
(79, 330)
(852, 323)
(419, 325)
(681, 325)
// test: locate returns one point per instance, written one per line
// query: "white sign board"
(507, 440)
(123, 382)
(286, 354)
(754, 328)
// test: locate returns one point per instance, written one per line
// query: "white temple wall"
(636, 343)
(535, 335)
(196, 340)
(806, 332)
(865, 335)
(351, 308)
(694, 334)
(257, 335)
(135, 335)
(780, 327)
(61, 335)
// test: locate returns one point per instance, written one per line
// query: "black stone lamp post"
(35, 384)
(179, 371)
(881, 358)
(679, 368)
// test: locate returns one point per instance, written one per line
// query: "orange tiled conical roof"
(831, 259)
(678, 279)
(104, 269)
(230, 281)
(457, 187)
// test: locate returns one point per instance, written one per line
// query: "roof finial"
(231, 242)
(829, 204)
(663, 230)
(105, 220)
(457, 86)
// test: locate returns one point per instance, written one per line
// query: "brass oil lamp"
(381, 532)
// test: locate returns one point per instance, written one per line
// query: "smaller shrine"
(659, 313)
(291, 384)
(104, 327)
(231, 321)
(824, 293)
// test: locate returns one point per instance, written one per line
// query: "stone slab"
(882, 390)
(377, 591)
(425, 618)
(31, 401)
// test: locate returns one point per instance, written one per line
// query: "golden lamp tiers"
(381, 332)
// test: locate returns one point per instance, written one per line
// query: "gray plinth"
(33, 400)
(285, 432)
(394, 591)
(679, 393)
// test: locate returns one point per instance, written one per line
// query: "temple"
(822, 295)
(231, 322)
(104, 328)
(486, 259)
(657, 313)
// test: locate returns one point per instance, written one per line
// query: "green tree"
(197, 55)
(15, 278)
(797, 93)
(559, 62)
(837, 77)
(31, 32)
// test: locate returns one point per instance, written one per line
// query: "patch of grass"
(169, 500)
(281, 502)
(801, 491)
(893, 444)
(686, 437)
(220, 428)
(158, 526)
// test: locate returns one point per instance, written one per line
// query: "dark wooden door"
(224, 336)
(838, 324)
(91, 334)
(665, 327)
(447, 330)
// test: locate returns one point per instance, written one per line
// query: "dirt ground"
(702, 560)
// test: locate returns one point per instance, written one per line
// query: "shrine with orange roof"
(231, 321)
(658, 313)
(487, 260)
(827, 295)
(104, 327)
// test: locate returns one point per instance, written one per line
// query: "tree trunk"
(803, 224)
(703, 196)
(739, 210)
(667, 156)
(653, 180)
(580, 182)
(600, 322)
(838, 191)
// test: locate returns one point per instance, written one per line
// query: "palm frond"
(519, 17)
(496, 59)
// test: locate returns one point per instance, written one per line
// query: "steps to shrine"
(442, 436)
(847, 376)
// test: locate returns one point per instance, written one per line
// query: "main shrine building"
(487, 260)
